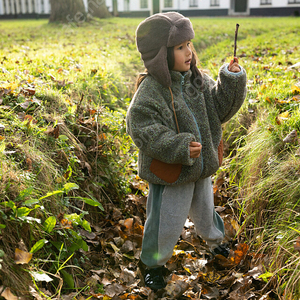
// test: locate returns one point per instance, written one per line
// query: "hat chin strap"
(175, 116)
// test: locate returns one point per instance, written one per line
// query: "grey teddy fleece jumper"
(200, 113)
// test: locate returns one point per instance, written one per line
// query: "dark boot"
(222, 249)
(152, 277)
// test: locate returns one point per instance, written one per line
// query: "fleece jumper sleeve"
(150, 123)
(229, 92)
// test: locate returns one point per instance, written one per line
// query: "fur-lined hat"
(155, 34)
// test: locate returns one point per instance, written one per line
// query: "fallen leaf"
(53, 131)
(25, 104)
(222, 262)
(255, 272)
(28, 91)
(295, 89)
(232, 227)
(35, 294)
(22, 257)
(284, 116)
(175, 289)
(296, 98)
(291, 137)
(29, 118)
(127, 276)
(7, 294)
(297, 244)
(29, 164)
(210, 292)
(114, 289)
(40, 276)
(240, 253)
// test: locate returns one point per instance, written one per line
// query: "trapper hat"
(155, 34)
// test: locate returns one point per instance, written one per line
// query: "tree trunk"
(115, 8)
(98, 8)
(67, 11)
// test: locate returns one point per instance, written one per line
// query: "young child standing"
(175, 120)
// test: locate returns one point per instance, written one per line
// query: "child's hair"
(196, 73)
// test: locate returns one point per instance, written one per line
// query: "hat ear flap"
(158, 67)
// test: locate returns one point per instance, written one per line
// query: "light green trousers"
(168, 208)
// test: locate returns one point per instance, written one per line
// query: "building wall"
(24, 7)
(27, 8)
(275, 3)
(277, 8)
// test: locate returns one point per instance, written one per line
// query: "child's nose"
(189, 50)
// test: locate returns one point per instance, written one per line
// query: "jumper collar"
(178, 77)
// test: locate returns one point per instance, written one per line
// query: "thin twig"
(235, 39)
(79, 104)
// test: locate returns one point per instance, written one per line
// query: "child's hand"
(234, 66)
(195, 149)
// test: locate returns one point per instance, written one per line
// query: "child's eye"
(179, 48)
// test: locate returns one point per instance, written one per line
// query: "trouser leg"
(209, 225)
(167, 211)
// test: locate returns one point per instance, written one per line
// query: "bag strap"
(174, 110)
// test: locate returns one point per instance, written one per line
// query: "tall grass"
(263, 166)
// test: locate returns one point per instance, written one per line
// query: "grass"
(83, 80)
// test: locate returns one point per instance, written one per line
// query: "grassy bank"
(65, 157)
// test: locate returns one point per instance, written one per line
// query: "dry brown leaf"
(7, 294)
(127, 276)
(241, 289)
(35, 294)
(240, 253)
(28, 91)
(209, 292)
(22, 257)
(231, 226)
(114, 289)
(291, 137)
(176, 289)
(53, 131)
(297, 244)
(29, 164)
(128, 224)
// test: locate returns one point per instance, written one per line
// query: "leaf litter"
(192, 272)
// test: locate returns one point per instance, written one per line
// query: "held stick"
(235, 39)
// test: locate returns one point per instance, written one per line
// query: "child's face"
(182, 57)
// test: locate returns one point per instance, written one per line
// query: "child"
(175, 120)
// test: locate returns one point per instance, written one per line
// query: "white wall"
(21, 7)
(202, 4)
(275, 3)
(47, 6)
(134, 5)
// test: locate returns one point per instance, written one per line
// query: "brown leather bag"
(167, 172)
